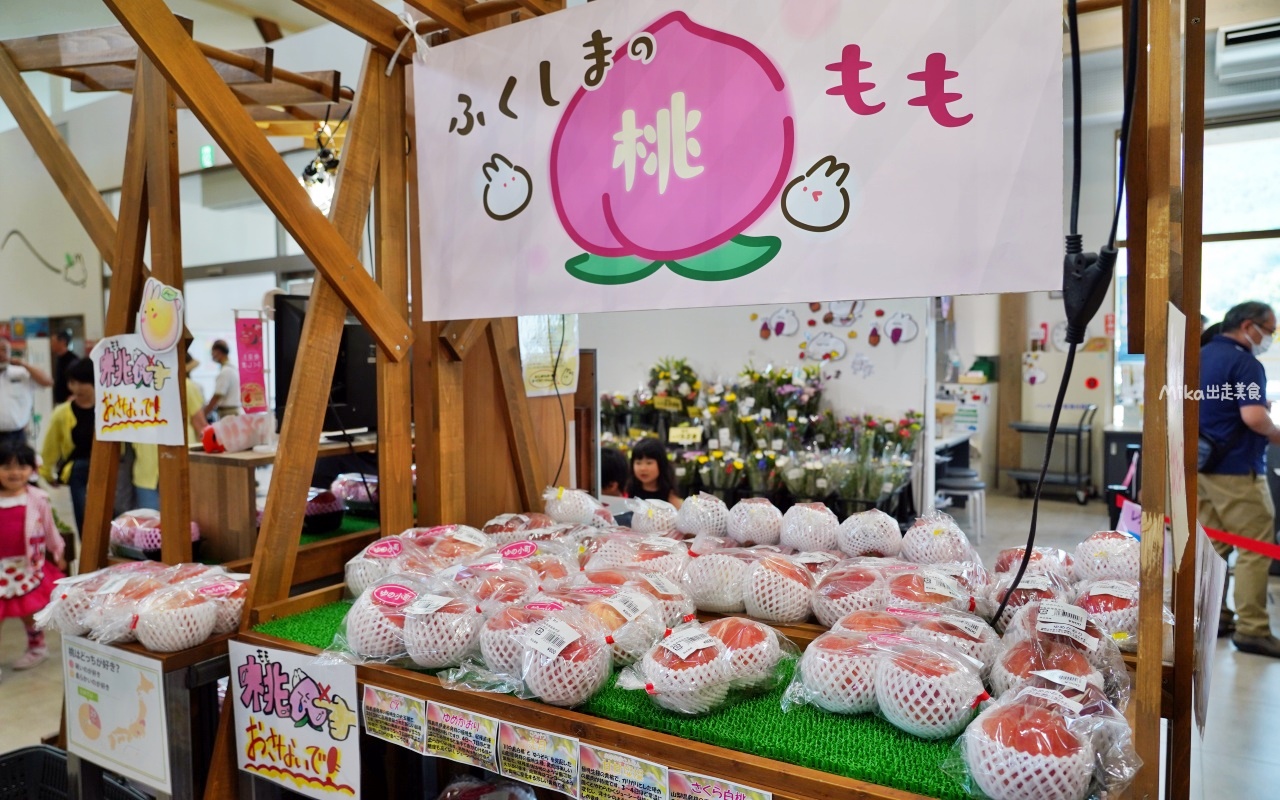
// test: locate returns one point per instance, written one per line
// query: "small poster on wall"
(253, 384)
(689, 153)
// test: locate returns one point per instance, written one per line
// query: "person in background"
(1232, 493)
(30, 545)
(63, 358)
(16, 401)
(196, 419)
(652, 476)
(1210, 331)
(68, 442)
(226, 387)
(613, 472)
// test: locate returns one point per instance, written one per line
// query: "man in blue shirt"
(1233, 493)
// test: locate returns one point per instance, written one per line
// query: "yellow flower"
(717, 454)
(730, 397)
(703, 459)
(738, 464)
(697, 385)
(714, 409)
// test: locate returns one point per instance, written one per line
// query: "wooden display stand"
(477, 457)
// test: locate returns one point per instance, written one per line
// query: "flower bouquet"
(804, 476)
(720, 474)
(762, 472)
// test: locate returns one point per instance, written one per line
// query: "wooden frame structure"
(228, 93)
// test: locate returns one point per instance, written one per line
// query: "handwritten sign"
(295, 723)
(539, 758)
(136, 396)
(686, 153)
(116, 711)
(462, 736)
(692, 786)
(685, 435)
(396, 718)
(609, 775)
(253, 392)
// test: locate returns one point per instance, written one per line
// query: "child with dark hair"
(27, 531)
(652, 476)
(69, 439)
(613, 472)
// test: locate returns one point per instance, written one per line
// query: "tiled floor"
(1237, 759)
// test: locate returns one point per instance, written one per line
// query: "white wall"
(719, 342)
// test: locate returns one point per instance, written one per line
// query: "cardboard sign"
(290, 730)
(685, 435)
(692, 786)
(136, 397)
(668, 404)
(116, 711)
(687, 153)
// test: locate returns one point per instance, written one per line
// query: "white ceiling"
(223, 23)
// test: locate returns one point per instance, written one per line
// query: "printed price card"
(538, 757)
(608, 775)
(396, 718)
(462, 736)
(692, 786)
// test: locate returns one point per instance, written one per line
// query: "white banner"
(684, 153)
(115, 711)
(297, 722)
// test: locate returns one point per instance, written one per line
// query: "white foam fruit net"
(442, 638)
(983, 650)
(715, 582)
(928, 707)
(703, 514)
(936, 539)
(1108, 556)
(1005, 681)
(568, 680)
(753, 666)
(809, 527)
(633, 639)
(652, 516)
(178, 621)
(694, 689)
(755, 521)
(573, 506)
(870, 533)
(831, 606)
(775, 596)
(840, 682)
(1005, 773)
(371, 631)
(1121, 624)
(502, 647)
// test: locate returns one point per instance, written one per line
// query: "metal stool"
(975, 494)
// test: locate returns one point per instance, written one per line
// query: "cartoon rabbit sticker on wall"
(160, 317)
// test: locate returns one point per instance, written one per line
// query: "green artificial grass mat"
(865, 748)
(350, 524)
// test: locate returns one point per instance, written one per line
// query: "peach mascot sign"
(625, 155)
(136, 375)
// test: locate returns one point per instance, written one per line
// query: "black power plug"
(1085, 278)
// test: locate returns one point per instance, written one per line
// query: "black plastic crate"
(40, 773)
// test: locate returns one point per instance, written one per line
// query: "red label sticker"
(518, 550)
(393, 595)
(387, 548)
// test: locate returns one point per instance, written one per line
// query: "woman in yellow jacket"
(69, 440)
(146, 463)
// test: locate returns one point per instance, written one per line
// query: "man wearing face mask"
(1235, 427)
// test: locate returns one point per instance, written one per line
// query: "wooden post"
(504, 343)
(395, 438)
(277, 550)
(1162, 163)
(164, 212)
(1013, 341)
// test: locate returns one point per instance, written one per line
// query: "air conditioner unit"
(1248, 52)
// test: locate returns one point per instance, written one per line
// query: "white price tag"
(114, 585)
(428, 604)
(470, 536)
(451, 573)
(1052, 612)
(820, 438)
(766, 414)
(1121, 589)
(1035, 583)
(777, 444)
(713, 444)
(815, 558)
(1057, 698)
(681, 472)
(725, 435)
(973, 628)
(795, 474)
(550, 636)
(662, 584)
(683, 643)
(1073, 682)
(792, 414)
(822, 483)
(629, 604)
(1090, 643)
(937, 583)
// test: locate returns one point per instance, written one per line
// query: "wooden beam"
(538, 7)
(375, 24)
(459, 336)
(275, 556)
(1013, 341)
(268, 29)
(119, 77)
(395, 414)
(53, 152)
(110, 45)
(491, 8)
(164, 211)
(446, 12)
(307, 88)
(1090, 6)
(441, 432)
(160, 36)
(126, 293)
(1163, 126)
(504, 342)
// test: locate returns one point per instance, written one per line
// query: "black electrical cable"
(555, 382)
(1074, 246)
(351, 445)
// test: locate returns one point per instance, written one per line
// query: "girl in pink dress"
(27, 532)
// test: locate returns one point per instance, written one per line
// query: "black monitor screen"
(353, 398)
